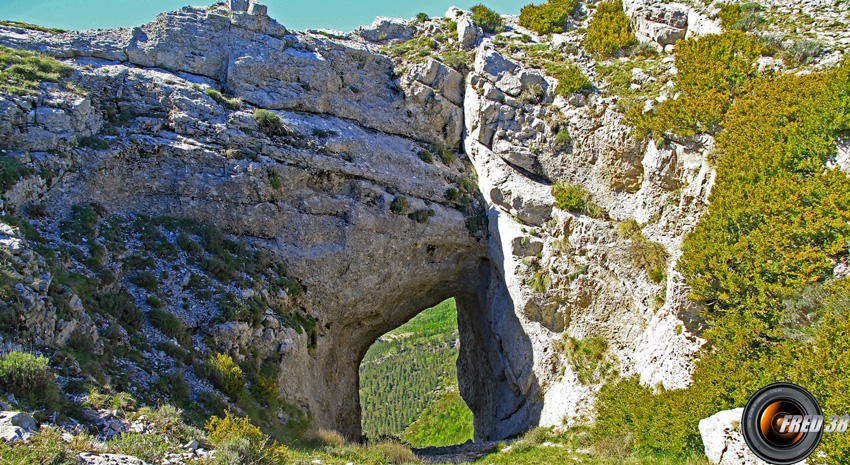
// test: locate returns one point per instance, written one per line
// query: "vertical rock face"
(323, 193)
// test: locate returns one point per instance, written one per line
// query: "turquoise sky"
(301, 14)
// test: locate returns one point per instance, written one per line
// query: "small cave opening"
(409, 384)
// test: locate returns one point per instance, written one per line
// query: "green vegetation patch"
(760, 263)
(28, 376)
(487, 19)
(576, 199)
(713, 71)
(547, 18)
(408, 376)
(570, 80)
(22, 72)
(609, 30)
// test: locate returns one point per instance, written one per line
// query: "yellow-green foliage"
(777, 219)
(570, 80)
(713, 70)
(238, 441)
(587, 358)
(229, 376)
(576, 199)
(22, 72)
(29, 377)
(609, 30)
(487, 19)
(46, 448)
(730, 13)
(547, 18)
(645, 254)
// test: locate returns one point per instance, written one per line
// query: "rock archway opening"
(409, 385)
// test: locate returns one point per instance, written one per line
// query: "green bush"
(422, 17)
(451, 194)
(576, 199)
(563, 139)
(547, 18)
(399, 205)
(170, 325)
(11, 171)
(229, 103)
(570, 80)
(426, 156)
(760, 263)
(421, 216)
(271, 124)
(487, 19)
(714, 70)
(28, 376)
(609, 29)
(227, 375)
(238, 441)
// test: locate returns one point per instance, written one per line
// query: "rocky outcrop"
(259, 61)
(342, 193)
(16, 426)
(724, 443)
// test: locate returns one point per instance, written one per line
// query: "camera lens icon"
(782, 423)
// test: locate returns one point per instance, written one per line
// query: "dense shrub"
(399, 205)
(226, 375)
(609, 30)
(713, 71)
(570, 80)
(576, 199)
(730, 13)
(46, 448)
(761, 264)
(487, 19)
(238, 441)
(547, 18)
(27, 376)
(270, 123)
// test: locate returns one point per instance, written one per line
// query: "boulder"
(16, 426)
(724, 443)
(662, 23)
(468, 34)
(700, 25)
(238, 5)
(387, 29)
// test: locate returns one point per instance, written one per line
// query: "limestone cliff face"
(321, 197)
